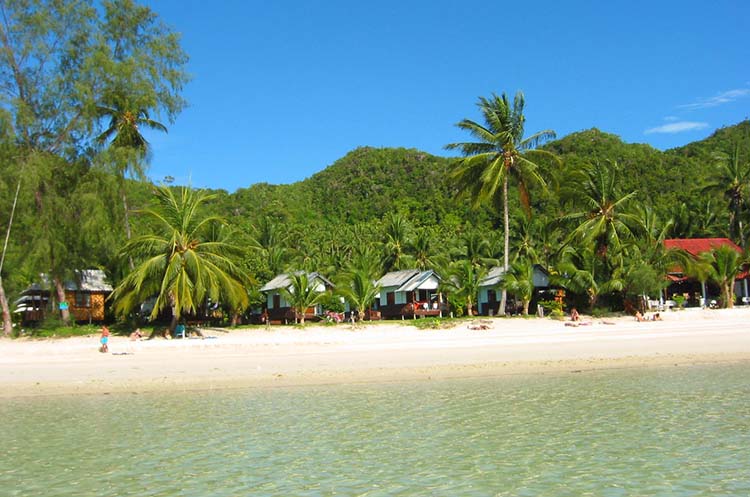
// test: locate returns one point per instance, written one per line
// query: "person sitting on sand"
(136, 335)
(574, 316)
(639, 317)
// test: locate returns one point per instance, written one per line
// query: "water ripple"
(664, 432)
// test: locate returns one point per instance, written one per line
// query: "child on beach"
(104, 340)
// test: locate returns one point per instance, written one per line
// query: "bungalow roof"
(697, 246)
(494, 276)
(397, 278)
(417, 281)
(86, 280)
(284, 280)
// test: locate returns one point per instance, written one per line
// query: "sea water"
(670, 431)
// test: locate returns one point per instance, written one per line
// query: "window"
(491, 296)
(390, 298)
(83, 299)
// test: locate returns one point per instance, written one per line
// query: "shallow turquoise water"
(660, 432)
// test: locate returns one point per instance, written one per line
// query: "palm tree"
(519, 280)
(465, 279)
(359, 288)
(423, 252)
(732, 180)
(604, 222)
(397, 241)
(184, 260)
(724, 263)
(582, 271)
(301, 295)
(131, 149)
(366, 258)
(499, 154)
(476, 249)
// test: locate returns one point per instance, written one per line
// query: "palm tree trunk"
(173, 322)
(64, 312)
(728, 295)
(7, 323)
(506, 245)
(175, 316)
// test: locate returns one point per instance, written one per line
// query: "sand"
(384, 352)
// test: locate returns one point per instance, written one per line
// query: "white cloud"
(677, 127)
(721, 98)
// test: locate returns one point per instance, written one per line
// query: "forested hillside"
(369, 183)
(403, 206)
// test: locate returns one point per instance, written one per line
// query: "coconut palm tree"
(603, 222)
(185, 259)
(582, 271)
(422, 245)
(733, 181)
(724, 263)
(359, 288)
(397, 241)
(519, 281)
(301, 295)
(465, 279)
(501, 153)
(130, 150)
(476, 248)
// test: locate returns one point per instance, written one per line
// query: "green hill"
(368, 182)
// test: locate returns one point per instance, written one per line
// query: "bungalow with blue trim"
(279, 309)
(488, 300)
(410, 292)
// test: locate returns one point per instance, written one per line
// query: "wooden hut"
(410, 293)
(85, 297)
(279, 309)
(488, 301)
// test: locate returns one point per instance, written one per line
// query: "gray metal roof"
(494, 277)
(86, 280)
(89, 280)
(417, 281)
(406, 280)
(284, 280)
(397, 278)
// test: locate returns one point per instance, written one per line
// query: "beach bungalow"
(85, 297)
(697, 292)
(488, 301)
(409, 293)
(279, 309)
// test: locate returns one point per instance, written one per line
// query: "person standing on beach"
(104, 340)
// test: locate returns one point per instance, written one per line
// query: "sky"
(282, 89)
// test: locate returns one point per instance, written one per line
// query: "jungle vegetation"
(590, 208)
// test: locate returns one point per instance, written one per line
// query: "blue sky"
(282, 89)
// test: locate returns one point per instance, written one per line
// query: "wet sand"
(383, 352)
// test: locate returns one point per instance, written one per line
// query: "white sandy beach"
(388, 351)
